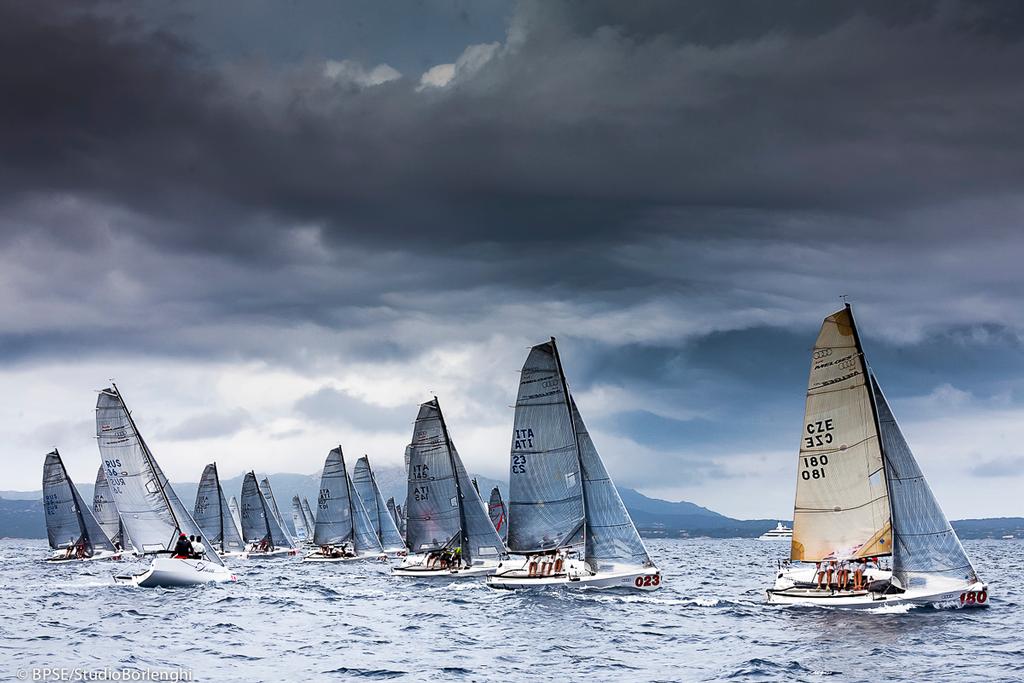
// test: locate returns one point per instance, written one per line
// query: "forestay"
(612, 539)
(546, 509)
(68, 519)
(151, 511)
(432, 505)
(926, 550)
(105, 511)
(841, 509)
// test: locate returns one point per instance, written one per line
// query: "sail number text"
(819, 433)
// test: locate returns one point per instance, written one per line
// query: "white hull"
(278, 552)
(170, 572)
(797, 586)
(577, 574)
(416, 566)
(317, 557)
(59, 557)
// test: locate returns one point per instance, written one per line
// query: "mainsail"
(393, 510)
(235, 512)
(546, 507)
(444, 508)
(341, 517)
(68, 519)
(299, 520)
(258, 521)
(611, 536)
(105, 511)
(150, 509)
(268, 493)
(213, 514)
(307, 514)
(926, 550)
(842, 503)
(373, 502)
(496, 511)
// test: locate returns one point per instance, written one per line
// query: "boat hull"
(270, 554)
(578, 575)
(170, 572)
(975, 595)
(416, 566)
(99, 555)
(317, 557)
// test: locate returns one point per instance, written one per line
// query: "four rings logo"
(822, 353)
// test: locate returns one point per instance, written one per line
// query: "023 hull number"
(647, 581)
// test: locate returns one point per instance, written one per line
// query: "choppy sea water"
(284, 620)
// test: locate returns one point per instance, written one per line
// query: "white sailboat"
(565, 517)
(861, 496)
(383, 524)
(262, 531)
(303, 534)
(268, 494)
(152, 513)
(447, 529)
(343, 532)
(307, 514)
(213, 515)
(72, 530)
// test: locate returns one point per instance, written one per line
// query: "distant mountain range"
(21, 512)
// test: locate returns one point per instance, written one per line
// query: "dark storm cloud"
(592, 122)
(1008, 466)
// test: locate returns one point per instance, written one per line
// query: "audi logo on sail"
(822, 353)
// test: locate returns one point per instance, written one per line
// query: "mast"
(350, 490)
(82, 533)
(575, 436)
(149, 460)
(455, 472)
(870, 381)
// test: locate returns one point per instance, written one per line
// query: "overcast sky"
(281, 226)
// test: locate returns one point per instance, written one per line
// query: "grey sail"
(105, 511)
(299, 520)
(68, 519)
(213, 514)
(496, 511)
(393, 510)
(268, 493)
(365, 536)
(612, 539)
(236, 513)
(479, 538)
(926, 550)
(258, 521)
(307, 514)
(334, 509)
(376, 509)
(545, 502)
(432, 505)
(151, 511)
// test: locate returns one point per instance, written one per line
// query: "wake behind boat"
(72, 530)
(565, 517)
(861, 497)
(447, 528)
(153, 515)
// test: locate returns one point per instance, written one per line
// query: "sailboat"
(343, 531)
(268, 493)
(365, 485)
(152, 513)
(860, 496)
(396, 515)
(71, 528)
(496, 511)
(213, 515)
(565, 516)
(447, 530)
(302, 533)
(307, 514)
(262, 531)
(105, 511)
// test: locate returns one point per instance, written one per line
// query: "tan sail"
(842, 506)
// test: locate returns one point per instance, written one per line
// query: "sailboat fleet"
(867, 529)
